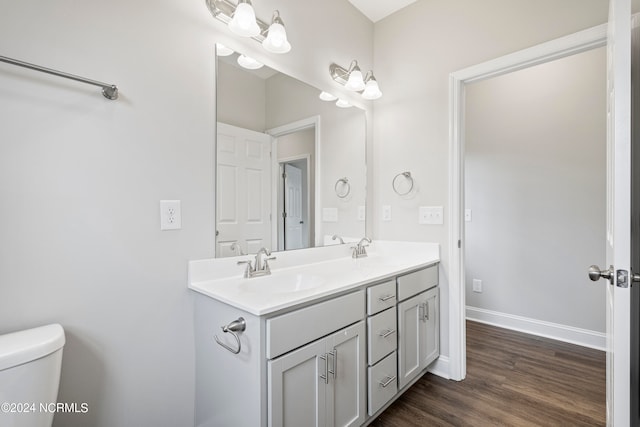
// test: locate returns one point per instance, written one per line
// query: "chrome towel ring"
(342, 187)
(397, 183)
(233, 328)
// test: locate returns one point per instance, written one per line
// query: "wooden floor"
(513, 379)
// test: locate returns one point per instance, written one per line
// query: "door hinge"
(459, 244)
(284, 175)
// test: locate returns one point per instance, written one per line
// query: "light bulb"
(222, 50)
(244, 22)
(355, 82)
(249, 63)
(276, 41)
(371, 90)
(343, 103)
(325, 96)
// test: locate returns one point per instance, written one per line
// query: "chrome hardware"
(386, 333)
(426, 307)
(260, 266)
(625, 278)
(388, 381)
(343, 183)
(396, 184)
(596, 274)
(335, 236)
(235, 327)
(360, 250)
(386, 298)
(334, 363)
(325, 377)
(235, 247)
(423, 311)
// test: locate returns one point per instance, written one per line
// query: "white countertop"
(305, 275)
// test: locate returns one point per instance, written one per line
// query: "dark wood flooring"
(513, 379)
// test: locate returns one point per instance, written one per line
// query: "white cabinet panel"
(416, 282)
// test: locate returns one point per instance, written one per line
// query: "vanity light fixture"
(249, 63)
(241, 19)
(326, 96)
(222, 50)
(352, 79)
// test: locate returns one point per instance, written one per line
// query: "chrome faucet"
(236, 248)
(360, 250)
(335, 236)
(260, 266)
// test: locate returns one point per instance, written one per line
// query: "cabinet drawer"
(380, 297)
(292, 330)
(383, 335)
(383, 383)
(416, 282)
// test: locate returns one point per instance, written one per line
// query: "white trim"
(545, 52)
(556, 331)
(313, 121)
(440, 367)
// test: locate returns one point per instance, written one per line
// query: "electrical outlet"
(477, 285)
(386, 213)
(170, 216)
(431, 215)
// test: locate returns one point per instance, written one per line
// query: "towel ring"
(394, 183)
(345, 185)
(233, 328)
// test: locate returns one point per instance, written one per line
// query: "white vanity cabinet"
(418, 324)
(320, 384)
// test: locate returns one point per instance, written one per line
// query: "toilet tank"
(30, 363)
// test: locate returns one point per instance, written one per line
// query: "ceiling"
(376, 10)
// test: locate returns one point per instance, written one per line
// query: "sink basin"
(282, 284)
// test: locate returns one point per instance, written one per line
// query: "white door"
(293, 207)
(618, 213)
(243, 186)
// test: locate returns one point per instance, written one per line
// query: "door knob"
(596, 274)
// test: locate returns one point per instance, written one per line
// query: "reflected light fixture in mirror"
(249, 63)
(222, 50)
(241, 20)
(326, 96)
(352, 79)
(343, 103)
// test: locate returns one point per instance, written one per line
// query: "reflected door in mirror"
(243, 190)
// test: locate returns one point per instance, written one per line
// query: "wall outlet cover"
(170, 215)
(477, 285)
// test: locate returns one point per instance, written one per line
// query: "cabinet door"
(432, 335)
(410, 328)
(296, 390)
(346, 394)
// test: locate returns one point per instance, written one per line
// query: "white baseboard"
(583, 337)
(440, 367)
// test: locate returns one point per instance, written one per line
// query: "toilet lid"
(21, 347)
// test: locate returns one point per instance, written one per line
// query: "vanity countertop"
(302, 276)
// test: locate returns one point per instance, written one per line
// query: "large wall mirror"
(290, 169)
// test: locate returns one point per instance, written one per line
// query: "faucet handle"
(248, 269)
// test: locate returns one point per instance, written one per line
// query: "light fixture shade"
(355, 82)
(249, 63)
(244, 22)
(326, 96)
(222, 50)
(343, 103)
(276, 41)
(371, 89)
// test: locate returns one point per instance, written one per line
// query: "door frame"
(309, 122)
(555, 49)
(280, 193)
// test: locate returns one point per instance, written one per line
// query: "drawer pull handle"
(334, 356)
(388, 381)
(387, 332)
(386, 298)
(325, 377)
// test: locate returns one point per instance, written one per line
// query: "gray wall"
(415, 50)
(81, 243)
(535, 181)
(241, 98)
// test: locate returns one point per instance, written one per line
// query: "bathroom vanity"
(324, 340)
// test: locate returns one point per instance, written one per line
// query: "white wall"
(415, 50)
(82, 176)
(535, 181)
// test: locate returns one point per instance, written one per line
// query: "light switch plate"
(431, 215)
(170, 215)
(477, 285)
(386, 213)
(362, 213)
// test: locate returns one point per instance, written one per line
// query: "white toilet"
(30, 362)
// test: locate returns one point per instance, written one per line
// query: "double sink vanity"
(325, 339)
